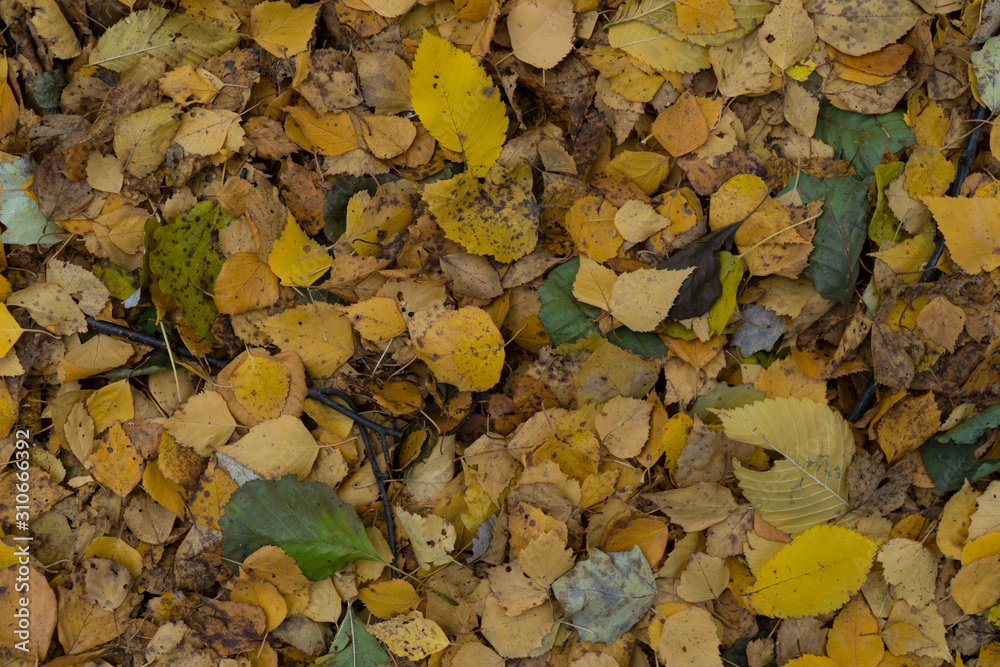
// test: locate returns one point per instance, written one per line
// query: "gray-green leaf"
(605, 595)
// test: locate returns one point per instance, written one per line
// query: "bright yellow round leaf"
(295, 258)
(461, 347)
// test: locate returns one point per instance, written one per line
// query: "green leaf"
(730, 275)
(187, 258)
(306, 519)
(840, 235)
(566, 320)
(862, 139)
(950, 458)
(176, 39)
(645, 344)
(353, 646)
(606, 594)
(19, 212)
(884, 225)
(986, 67)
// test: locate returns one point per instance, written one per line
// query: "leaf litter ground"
(462, 333)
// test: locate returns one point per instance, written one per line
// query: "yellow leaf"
(498, 217)
(646, 169)
(696, 507)
(458, 103)
(928, 172)
(853, 640)
(9, 410)
(971, 229)
(787, 34)
(706, 17)
(814, 574)
(411, 636)
(203, 131)
(654, 48)
(981, 547)
(623, 426)
(976, 587)
(591, 223)
(648, 533)
(296, 259)
(141, 139)
(275, 448)
(593, 283)
(461, 347)
(185, 85)
(283, 30)
(541, 31)
(258, 387)
(546, 558)
(704, 578)
(210, 495)
(261, 594)
(784, 379)
(918, 631)
(668, 436)
(642, 298)
(388, 136)
(330, 134)
(167, 493)
(377, 319)
(390, 8)
(807, 487)
(245, 282)
(114, 548)
(203, 423)
(111, 403)
(689, 639)
(10, 330)
(431, 537)
(907, 425)
(390, 598)
(51, 307)
(911, 569)
(178, 463)
(953, 531)
(319, 333)
(116, 464)
(374, 219)
(637, 221)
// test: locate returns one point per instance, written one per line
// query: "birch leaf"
(809, 486)
(458, 103)
(815, 574)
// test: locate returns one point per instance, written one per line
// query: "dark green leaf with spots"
(306, 519)
(187, 258)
